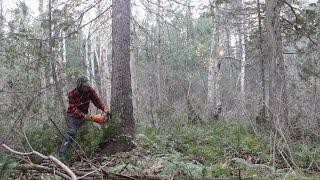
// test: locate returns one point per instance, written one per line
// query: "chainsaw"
(101, 118)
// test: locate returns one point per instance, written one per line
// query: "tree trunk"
(43, 112)
(159, 60)
(261, 119)
(87, 61)
(121, 92)
(64, 47)
(97, 59)
(277, 82)
(214, 76)
(105, 70)
(133, 77)
(242, 47)
(193, 116)
(58, 88)
(92, 56)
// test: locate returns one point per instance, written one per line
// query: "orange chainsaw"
(101, 118)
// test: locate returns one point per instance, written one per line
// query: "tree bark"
(87, 61)
(133, 77)
(121, 92)
(277, 82)
(92, 57)
(214, 76)
(261, 119)
(242, 47)
(159, 58)
(105, 70)
(64, 47)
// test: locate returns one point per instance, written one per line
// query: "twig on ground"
(100, 168)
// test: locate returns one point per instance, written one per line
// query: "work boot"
(63, 152)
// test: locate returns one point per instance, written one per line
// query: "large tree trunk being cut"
(121, 92)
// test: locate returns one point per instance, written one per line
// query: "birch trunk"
(97, 60)
(64, 48)
(97, 52)
(87, 61)
(242, 46)
(214, 76)
(105, 70)
(92, 56)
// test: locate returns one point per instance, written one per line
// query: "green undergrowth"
(221, 149)
(48, 140)
(178, 148)
(5, 170)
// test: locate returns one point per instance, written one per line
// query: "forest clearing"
(160, 89)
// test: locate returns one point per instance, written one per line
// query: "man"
(79, 101)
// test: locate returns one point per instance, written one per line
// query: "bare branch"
(39, 168)
(52, 158)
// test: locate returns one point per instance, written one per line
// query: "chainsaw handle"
(107, 116)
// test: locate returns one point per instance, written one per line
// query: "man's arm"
(73, 108)
(96, 100)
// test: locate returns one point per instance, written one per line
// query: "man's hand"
(107, 110)
(88, 117)
(108, 113)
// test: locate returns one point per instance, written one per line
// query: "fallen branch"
(39, 168)
(55, 160)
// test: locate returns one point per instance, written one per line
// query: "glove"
(108, 113)
(88, 117)
(107, 110)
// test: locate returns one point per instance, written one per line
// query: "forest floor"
(205, 150)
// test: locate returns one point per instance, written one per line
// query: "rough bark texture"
(121, 92)
(261, 119)
(277, 82)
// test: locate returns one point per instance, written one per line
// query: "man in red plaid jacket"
(79, 101)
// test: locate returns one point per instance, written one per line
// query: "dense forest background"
(219, 88)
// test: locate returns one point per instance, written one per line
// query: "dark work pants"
(73, 125)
